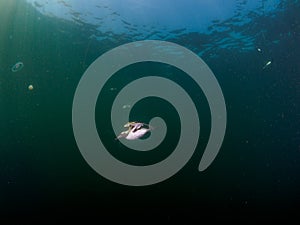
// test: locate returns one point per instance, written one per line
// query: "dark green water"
(42, 171)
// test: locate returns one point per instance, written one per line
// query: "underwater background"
(256, 173)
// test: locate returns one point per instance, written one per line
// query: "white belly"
(138, 134)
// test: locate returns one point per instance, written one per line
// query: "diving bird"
(135, 130)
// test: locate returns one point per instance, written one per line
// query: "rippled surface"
(208, 24)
